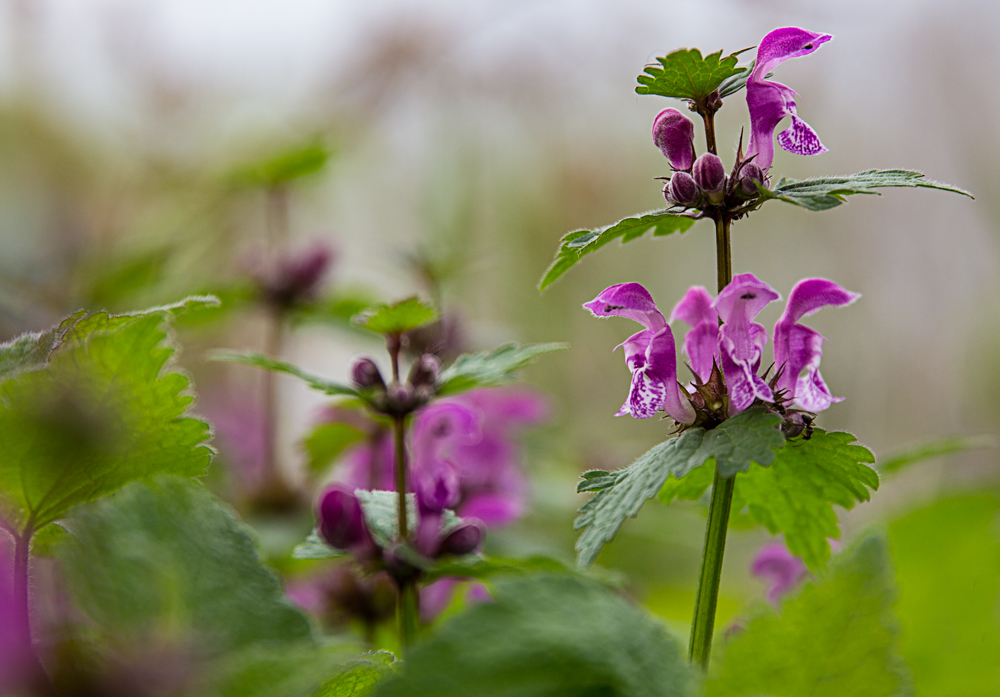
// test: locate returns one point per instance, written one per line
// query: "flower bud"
(341, 521)
(683, 190)
(296, 278)
(710, 174)
(464, 539)
(400, 399)
(673, 134)
(750, 176)
(365, 374)
(425, 370)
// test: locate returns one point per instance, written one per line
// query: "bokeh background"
(464, 140)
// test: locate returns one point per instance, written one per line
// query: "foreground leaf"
(398, 318)
(545, 636)
(750, 436)
(685, 74)
(836, 638)
(575, 245)
(174, 562)
(257, 360)
(471, 371)
(947, 559)
(823, 193)
(32, 350)
(104, 411)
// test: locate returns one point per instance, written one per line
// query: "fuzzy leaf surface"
(750, 436)
(575, 245)
(823, 193)
(835, 638)
(257, 360)
(173, 559)
(797, 493)
(685, 74)
(491, 368)
(545, 636)
(396, 318)
(105, 410)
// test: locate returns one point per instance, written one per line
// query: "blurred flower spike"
(780, 568)
(294, 279)
(769, 102)
(725, 359)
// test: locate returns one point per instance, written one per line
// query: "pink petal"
(695, 307)
(801, 139)
(629, 300)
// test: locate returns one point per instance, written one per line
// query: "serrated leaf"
(257, 360)
(328, 441)
(380, 509)
(947, 560)
(105, 410)
(173, 560)
(934, 449)
(575, 245)
(796, 494)
(836, 638)
(315, 548)
(398, 318)
(491, 368)
(360, 676)
(823, 193)
(685, 74)
(545, 636)
(750, 436)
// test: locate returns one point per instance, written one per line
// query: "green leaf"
(684, 74)
(545, 636)
(171, 559)
(31, 351)
(836, 638)
(491, 368)
(750, 436)
(380, 509)
(475, 566)
(398, 318)
(823, 193)
(360, 676)
(937, 448)
(796, 494)
(328, 441)
(258, 360)
(315, 548)
(106, 410)
(575, 245)
(947, 560)
(294, 163)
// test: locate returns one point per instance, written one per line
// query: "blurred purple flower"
(435, 597)
(769, 102)
(341, 522)
(241, 433)
(780, 568)
(295, 278)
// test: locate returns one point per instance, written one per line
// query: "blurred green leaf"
(685, 74)
(337, 309)
(545, 635)
(750, 436)
(491, 368)
(947, 559)
(173, 563)
(111, 281)
(258, 360)
(823, 193)
(104, 411)
(294, 163)
(836, 638)
(31, 351)
(315, 548)
(397, 318)
(575, 245)
(328, 441)
(937, 448)
(360, 676)
(796, 494)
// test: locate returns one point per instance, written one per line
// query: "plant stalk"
(408, 599)
(399, 430)
(703, 624)
(34, 675)
(409, 613)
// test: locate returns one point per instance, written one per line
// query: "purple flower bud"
(296, 278)
(710, 174)
(365, 374)
(673, 134)
(425, 370)
(464, 539)
(750, 176)
(341, 521)
(683, 190)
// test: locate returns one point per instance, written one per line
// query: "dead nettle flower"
(673, 133)
(725, 359)
(780, 568)
(294, 279)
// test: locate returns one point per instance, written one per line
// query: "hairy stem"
(708, 117)
(393, 344)
(34, 674)
(703, 624)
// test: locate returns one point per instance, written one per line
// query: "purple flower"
(294, 278)
(341, 522)
(650, 354)
(798, 349)
(769, 102)
(673, 134)
(701, 345)
(779, 567)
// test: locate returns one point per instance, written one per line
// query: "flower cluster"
(725, 348)
(701, 182)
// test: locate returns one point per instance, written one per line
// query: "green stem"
(399, 428)
(409, 612)
(408, 599)
(708, 117)
(703, 624)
